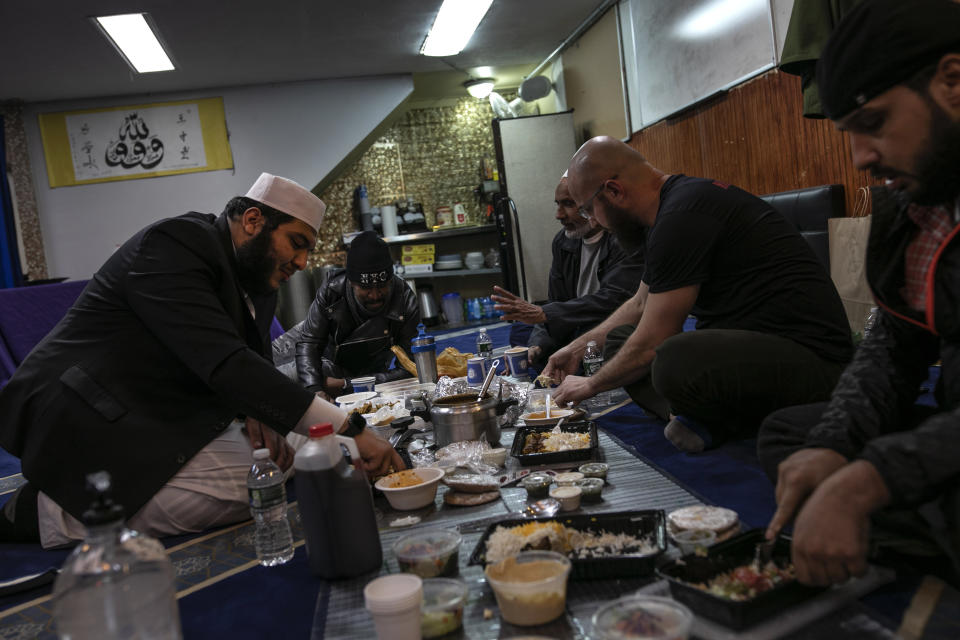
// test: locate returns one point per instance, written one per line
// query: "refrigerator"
(532, 154)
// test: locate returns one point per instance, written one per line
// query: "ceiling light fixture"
(479, 87)
(137, 40)
(454, 26)
(717, 17)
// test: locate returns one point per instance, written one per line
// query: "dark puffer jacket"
(333, 341)
(869, 408)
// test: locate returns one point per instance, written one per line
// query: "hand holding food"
(564, 362)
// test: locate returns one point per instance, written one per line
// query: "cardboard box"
(417, 258)
(418, 249)
(411, 269)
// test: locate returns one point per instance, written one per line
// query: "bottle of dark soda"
(336, 507)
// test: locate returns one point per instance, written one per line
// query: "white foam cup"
(394, 602)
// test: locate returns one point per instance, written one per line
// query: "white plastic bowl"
(414, 496)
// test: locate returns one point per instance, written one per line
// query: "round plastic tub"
(442, 610)
(531, 587)
(640, 617)
(429, 553)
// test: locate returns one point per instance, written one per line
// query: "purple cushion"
(27, 314)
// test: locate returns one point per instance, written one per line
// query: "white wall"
(297, 130)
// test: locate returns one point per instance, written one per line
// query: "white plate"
(354, 398)
(444, 266)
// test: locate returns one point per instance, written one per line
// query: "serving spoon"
(488, 379)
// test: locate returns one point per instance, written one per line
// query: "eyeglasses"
(585, 209)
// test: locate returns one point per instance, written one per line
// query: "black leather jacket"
(875, 394)
(335, 342)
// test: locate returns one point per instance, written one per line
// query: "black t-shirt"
(755, 271)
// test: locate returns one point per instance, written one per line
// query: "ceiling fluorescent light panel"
(456, 21)
(136, 40)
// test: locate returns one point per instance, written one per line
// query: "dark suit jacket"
(151, 363)
(568, 316)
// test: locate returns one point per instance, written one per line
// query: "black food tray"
(724, 556)
(554, 457)
(631, 565)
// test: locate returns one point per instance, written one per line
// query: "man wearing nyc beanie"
(358, 314)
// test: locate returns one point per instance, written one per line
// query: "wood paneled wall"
(756, 138)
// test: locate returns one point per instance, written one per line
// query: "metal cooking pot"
(463, 417)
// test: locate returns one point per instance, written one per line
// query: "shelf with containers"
(469, 283)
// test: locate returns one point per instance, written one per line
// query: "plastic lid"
(261, 454)
(592, 343)
(321, 430)
(450, 295)
(104, 509)
(393, 593)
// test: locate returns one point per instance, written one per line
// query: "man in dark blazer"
(161, 374)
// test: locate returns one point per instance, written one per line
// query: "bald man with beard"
(770, 325)
(590, 276)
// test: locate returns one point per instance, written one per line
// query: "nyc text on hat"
(368, 260)
(289, 197)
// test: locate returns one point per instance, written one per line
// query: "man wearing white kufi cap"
(161, 374)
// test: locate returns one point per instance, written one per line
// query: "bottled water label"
(591, 366)
(485, 349)
(267, 497)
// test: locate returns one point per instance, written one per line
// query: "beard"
(628, 231)
(256, 262)
(938, 166)
(578, 232)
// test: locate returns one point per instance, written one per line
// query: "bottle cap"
(321, 430)
(261, 454)
(103, 509)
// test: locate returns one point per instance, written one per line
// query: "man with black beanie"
(358, 314)
(870, 458)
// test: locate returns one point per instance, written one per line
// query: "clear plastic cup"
(429, 553)
(443, 602)
(531, 588)
(641, 617)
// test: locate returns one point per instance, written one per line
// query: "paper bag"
(848, 269)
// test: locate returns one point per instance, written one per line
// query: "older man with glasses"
(770, 325)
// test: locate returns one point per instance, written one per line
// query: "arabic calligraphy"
(136, 146)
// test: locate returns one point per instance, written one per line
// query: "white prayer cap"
(564, 175)
(289, 197)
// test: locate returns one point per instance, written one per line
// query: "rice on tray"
(505, 542)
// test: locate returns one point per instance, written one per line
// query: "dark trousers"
(728, 380)
(916, 538)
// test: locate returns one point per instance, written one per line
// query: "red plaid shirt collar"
(935, 224)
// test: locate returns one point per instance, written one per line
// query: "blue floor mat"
(729, 476)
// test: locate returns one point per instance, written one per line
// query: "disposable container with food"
(629, 561)
(587, 452)
(531, 588)
(642, 617)
(537, 485)
(429, 553)
(595, 470)
(410, 488)
(442, 609)
(689, 575)
(591, 489)
(568, 496)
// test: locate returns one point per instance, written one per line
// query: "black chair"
(809, 210)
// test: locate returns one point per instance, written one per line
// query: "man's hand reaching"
(516, 308)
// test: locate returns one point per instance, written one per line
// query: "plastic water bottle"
(268, 506)
(871, 320)
(485, 348)
(336, 506)
(592, 361)
(118, 583)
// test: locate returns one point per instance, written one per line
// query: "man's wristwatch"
(356, 423)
